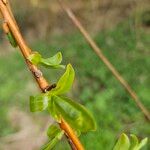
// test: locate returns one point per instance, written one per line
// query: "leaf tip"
(70, 67)
(59, 54)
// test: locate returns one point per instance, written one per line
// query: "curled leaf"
(74, 113)
(123, 143)
(65, 82)
(52, 62)
(39, 102)
(35, 58)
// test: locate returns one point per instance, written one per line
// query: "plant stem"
(64, 125)
(26, 51)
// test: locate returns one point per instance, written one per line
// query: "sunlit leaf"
(39, 102)
(52, 62)
(12, 39)
(35, 58)
(134, 142)
(74, 113)
(123, 143)
(54, 139)
(142, 143)
(65, 82)
(135, 145)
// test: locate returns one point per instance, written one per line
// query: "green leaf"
(35, 58)
(142, 143)
(12, 39)
(74, 113)
(135, 145)
(52, 62)
(39, 102)
(52, 131)
(55, 136)
(65, 82)
(134, 142)
(123, 143)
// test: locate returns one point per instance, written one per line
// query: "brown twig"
(100, 54)
(11, 25)
(63, 126)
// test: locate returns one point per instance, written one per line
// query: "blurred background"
(120, 28)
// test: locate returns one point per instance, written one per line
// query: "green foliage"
(141, 144)
(55, 134)
(52, 62)
(65, 82)
(135, 144)
(12, 39)
(35, 58)
(124, 143)
(59, 106)
(38, 103)
(52, 131)
(74, 113)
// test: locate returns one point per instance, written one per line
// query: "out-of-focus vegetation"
(124, 41)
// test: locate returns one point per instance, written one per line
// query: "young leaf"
(53, 141)
(135, 145)
(12, 39)
(142, 143)
(35, 58)
(134, 142)
(52, 62)
(65, 82)
(39, 102)
(74, 113)
(123, 143)
(52, 131)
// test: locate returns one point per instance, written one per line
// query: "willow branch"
(100, 54)
(11, 25)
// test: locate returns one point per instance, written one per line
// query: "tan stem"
(10, 24)
(64, 125)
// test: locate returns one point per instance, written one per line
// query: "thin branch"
(11, 25)
(100, 54)
(63, 126)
